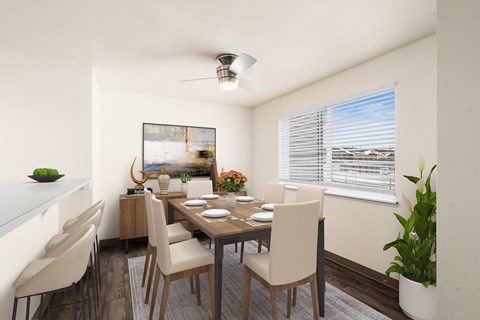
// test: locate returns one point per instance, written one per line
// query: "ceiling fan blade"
(242, 63)
(249, 85)
(197, 79)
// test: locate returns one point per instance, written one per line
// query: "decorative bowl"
(46, 178)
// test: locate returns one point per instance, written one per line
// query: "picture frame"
(179, 149)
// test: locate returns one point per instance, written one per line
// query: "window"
(347, 143)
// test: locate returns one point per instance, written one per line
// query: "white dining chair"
(198, 188)
(177, 261)
(292, 259)
(175, 232)
(306, 193)
(274, 193)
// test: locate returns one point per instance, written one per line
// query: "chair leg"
(28, 308)
(294, 303)
(313, 288)
(259, 245)
(209, 243)
(192, 287)
(147, 262)
(82, 297)
(94, 282)
(15, 304)
(273, 298)
(158, 274)
(246, 293)
(163, 304)
(242, 250)
(74, 306)
(97, 261)
(153, 263)
(289, 302)
(197, 290)
(212, 290)
(236, 246)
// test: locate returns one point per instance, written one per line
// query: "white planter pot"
(416, 301)
(183, 188)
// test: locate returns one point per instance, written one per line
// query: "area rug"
(182, 304)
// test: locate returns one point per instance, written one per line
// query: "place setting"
(216, 215)
(246, 199)
(195, 203)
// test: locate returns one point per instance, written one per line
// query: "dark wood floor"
(115, 298)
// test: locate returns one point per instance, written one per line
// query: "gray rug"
(182, 304)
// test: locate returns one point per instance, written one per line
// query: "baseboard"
(365, 271)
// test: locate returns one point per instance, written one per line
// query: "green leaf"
(426, 283)
(412, 179)
(401, 219)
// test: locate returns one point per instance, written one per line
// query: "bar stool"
(56, 274)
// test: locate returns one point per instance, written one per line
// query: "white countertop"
(20, 202)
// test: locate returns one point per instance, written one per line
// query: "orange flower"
(245, 179)
(239, 174)
(230, 174)
(220, 179)
(237, 181)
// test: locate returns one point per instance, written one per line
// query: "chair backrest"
(293, 245)
(80, 219)
(93, 219)
(274, 192)
(163, 245)
(305, 194)
(62, 271)
(152, 237)
(68, 241)
(199, 188)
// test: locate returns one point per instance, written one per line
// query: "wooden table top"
(222, 228)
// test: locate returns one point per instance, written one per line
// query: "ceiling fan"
(231, 66)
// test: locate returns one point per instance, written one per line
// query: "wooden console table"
(133, 216)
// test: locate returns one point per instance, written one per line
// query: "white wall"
(45, 122)
(357, 230)
(122, 115)
(458, 195)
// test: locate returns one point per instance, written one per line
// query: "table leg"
(321, 267)
(171, 213)
(218, 279)
(126, 246)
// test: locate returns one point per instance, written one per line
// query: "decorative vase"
(183, 188)
(231, 199)
(163, 183)
(416, 301)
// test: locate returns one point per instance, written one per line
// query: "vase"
(416, 301)
(231, 199)
(183, 188)
(163, 183)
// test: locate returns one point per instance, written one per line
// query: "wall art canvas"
(178, 149)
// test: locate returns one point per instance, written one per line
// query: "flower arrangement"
(231, 181)
(417, 247)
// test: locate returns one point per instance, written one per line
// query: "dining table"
(236, 227)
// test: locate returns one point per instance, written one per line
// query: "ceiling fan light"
(228, 83)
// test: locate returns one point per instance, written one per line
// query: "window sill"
(388, 199)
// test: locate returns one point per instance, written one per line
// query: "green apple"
(52, 172)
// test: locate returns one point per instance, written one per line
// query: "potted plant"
(184, 177)
(416, 260)
(231, 182)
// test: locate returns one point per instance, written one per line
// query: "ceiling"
(147, 46)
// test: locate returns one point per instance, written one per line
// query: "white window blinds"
(347, 143)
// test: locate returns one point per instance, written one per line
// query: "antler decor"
(139, 183)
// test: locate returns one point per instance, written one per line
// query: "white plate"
(267, 206)
(195, 203)
(262, 216)
(210, 196)
(245, 198)
(215, 213)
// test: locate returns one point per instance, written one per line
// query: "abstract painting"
(178, 149)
